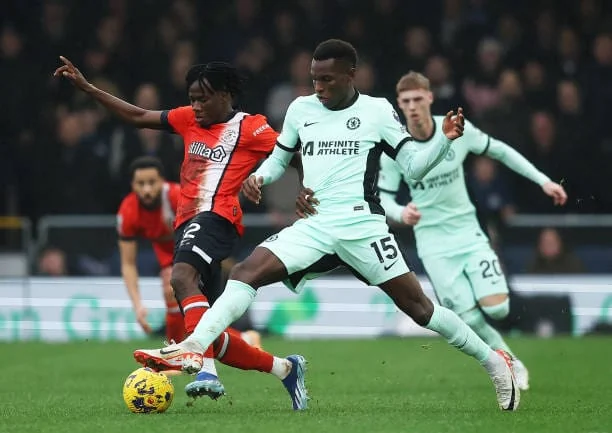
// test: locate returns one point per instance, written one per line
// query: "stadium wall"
(64, 309)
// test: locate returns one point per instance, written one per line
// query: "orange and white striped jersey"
(217, 160)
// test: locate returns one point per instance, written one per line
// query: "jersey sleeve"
(389, 181)
(178, 119)
(126, 221)
(261, 136)
(392, 132)
(477, 140)
(289, 139)
(390, 176)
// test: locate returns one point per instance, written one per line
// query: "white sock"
(458, 334)
(281, 367)
(234, 301)
(208, 366)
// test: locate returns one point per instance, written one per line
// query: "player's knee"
(499, 311)
(244, 272)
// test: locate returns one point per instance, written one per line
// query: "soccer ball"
(146, 391)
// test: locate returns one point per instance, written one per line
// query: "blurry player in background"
(148, 212)
(463, 268)
(222, 146)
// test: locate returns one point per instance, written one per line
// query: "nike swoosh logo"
(512, 398)
(307, 124)
(390, 266)
(168, 352)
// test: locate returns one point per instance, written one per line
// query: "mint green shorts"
(459, 281)
(364, 245)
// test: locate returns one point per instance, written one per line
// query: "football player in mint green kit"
(462, 267)
(341, 135)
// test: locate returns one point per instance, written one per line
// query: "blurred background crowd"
(536, 74)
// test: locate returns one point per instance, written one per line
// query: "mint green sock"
(489, 334)
(458, 334)
(234, 301)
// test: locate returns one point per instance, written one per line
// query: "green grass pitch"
(384, 385)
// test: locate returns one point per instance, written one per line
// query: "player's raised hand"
(72, 73)
(453, 125)
(305, 203)
(556, 191)
(410, 214)
(251, 188)
(141, 317)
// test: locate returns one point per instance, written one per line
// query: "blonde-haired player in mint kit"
(462, 267)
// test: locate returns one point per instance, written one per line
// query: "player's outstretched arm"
(389, 182)
(417, 163)
(129, 272)
(132, 114)
(518, 163)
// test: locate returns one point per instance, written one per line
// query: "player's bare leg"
(405, 290)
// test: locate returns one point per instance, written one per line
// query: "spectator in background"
(550, 149)
(184, 55)
(417, 49)
(446, 95)
(490, 192)
(282, 94)
(511, 38)
(538, 94)
(78, 181)
(598, 85)
(570, 113)
(451, 24)
(569, 54)
(16, 99)
(365, 78)
(254, 61)
(285, 41)
(480, 87)
(548, 154)
(509, 119)
(52, 262)
(544, 40)
(553, 257)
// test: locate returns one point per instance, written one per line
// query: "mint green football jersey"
(341, 150)
(448, 223)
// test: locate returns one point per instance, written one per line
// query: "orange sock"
(175, 327)
(232, 350)
(194, 308)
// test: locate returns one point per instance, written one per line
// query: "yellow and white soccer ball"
(146, 391)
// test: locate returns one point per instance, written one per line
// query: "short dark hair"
(146, 162)
(221, 76)
(336, 49)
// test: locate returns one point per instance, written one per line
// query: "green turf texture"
(385, 385)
